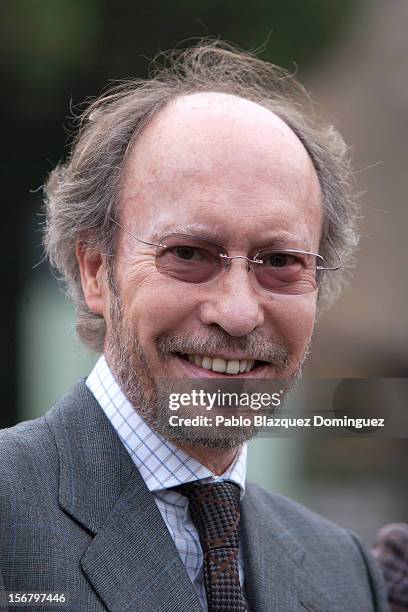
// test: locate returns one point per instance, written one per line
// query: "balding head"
(219, 150)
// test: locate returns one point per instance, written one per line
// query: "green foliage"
(50, 40)
(40, 40)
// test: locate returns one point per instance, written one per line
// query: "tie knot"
(215, 512)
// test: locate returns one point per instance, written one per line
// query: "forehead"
(219, 160)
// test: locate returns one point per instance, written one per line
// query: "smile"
(220, 365)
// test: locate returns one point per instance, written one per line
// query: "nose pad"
(228, 261)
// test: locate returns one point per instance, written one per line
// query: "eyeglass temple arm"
(336, 267)
(154, 244)
(259, 261)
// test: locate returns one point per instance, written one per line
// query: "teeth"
(197, 360)
(232, 366)
(242, 365)
(219, 365)
(207, 363)
(223, 366)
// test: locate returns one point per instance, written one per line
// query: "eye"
(279, 260)
(188, 253)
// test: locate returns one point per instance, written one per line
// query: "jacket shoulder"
(290, 513)
(331, 553)
(22, 444)
(309, 528)
(28, 451)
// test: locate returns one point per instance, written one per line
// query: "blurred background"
(353, 56)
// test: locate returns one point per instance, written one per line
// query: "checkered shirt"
(163, 466)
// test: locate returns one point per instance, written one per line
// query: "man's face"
(229, 170)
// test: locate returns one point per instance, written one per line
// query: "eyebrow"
(193, 229)
(279, 238)
(286, 240)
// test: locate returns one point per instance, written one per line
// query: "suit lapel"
(274, 577)
(132, 562)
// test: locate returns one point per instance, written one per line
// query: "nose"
(233, 303)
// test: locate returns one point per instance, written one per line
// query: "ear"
(93, 278)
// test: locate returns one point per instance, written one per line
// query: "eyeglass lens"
(196, 260)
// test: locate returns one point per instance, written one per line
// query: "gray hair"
(81, 194)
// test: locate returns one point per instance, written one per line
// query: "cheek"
(155, 305)
(295, 319)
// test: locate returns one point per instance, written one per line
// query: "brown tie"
(215, 512)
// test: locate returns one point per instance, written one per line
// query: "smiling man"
(199, 224)
(210, 169)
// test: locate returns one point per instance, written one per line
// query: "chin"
(215, 439)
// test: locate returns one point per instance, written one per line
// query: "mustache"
(255, 345)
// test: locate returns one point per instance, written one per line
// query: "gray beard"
(150, 397)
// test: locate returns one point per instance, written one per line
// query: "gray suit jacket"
(77, 518)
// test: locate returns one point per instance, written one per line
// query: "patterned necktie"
(215, 512)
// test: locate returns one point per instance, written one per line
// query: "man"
(192, 223)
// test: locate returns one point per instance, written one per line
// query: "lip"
(193, 371)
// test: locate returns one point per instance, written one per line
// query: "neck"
(217, 460)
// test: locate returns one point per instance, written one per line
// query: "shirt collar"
(161, 463)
